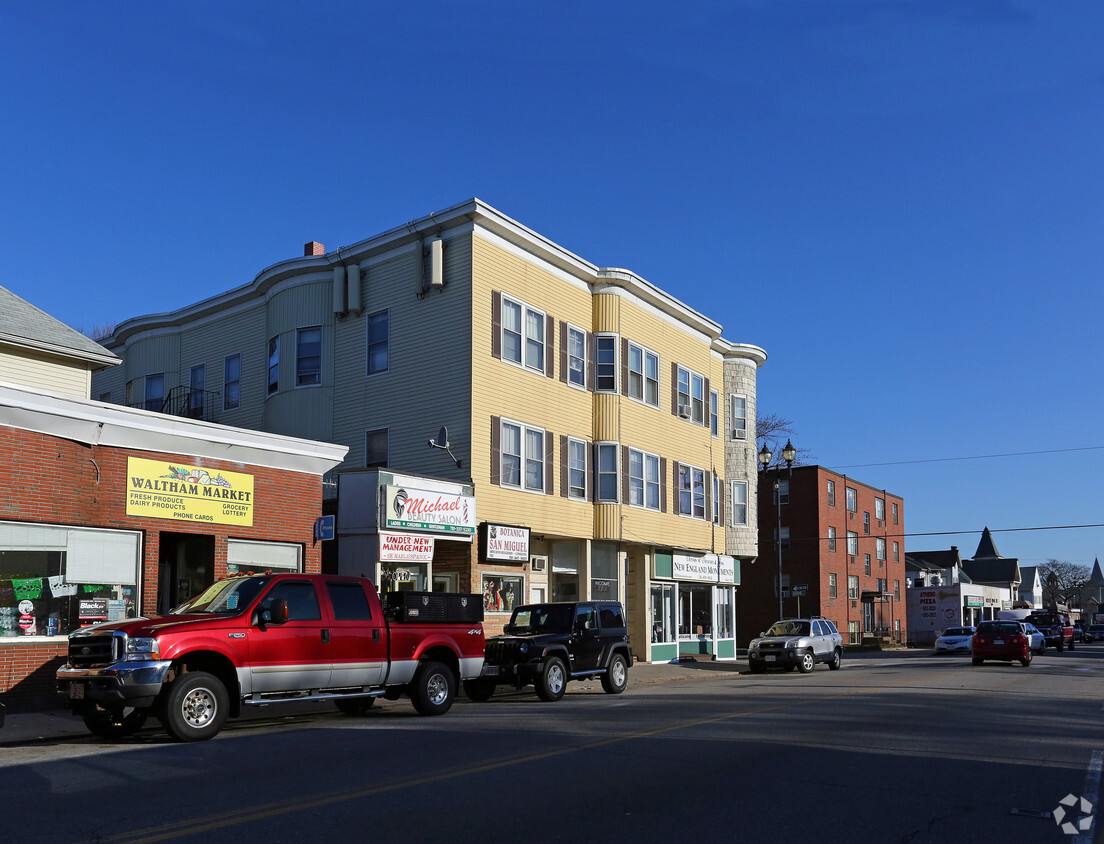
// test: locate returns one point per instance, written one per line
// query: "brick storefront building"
(841, 539)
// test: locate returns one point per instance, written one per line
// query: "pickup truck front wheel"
(433, 689)
(114, 725)
(195, 707)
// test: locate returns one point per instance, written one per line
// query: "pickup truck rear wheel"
(616, 677)
(114, 725)
(552, 682)
(355, 706)
(433, 689)
(195, 707)
(479, 689)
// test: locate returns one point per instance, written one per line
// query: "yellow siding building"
(600, 433)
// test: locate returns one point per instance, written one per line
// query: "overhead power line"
(971, 457)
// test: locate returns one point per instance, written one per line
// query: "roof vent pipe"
(339, 290)
(353, 276)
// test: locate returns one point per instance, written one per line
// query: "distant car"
(1094, 632)
(1078, 632)
(954, 639)
(796, 643)
(1038, 640)
(1007, 641)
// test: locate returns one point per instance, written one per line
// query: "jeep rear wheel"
(552, 682)
(616, 677)
(806, 662)
(114, 725)
(433, 689)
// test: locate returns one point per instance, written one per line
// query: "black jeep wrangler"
(547, 645)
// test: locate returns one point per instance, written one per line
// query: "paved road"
(908, 748)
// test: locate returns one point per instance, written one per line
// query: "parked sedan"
(1094, 633)
(954, 639)
(1038, 640)
(1007, 641)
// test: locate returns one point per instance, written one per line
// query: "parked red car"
(1003, 640)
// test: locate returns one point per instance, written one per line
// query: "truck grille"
(94, 651)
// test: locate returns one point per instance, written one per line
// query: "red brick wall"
(46, 479)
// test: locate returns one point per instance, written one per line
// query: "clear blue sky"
(900, 200)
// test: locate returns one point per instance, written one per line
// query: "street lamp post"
(765, 455)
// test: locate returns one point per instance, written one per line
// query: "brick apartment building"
(843, 541)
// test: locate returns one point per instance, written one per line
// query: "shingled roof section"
(986, 548)
(25, 326)
(1097, 576)
(933, 560)
(988, 566)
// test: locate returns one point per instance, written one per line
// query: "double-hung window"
(197, 390)
(831, 493)
(523, 335)
(605, 363)
(691, 396)
(831, 539)
(643, 375)
(308, 356)
(691, 491)
(879, 509)
(739, 417)
(273, 364)
(852, 543)
(714, 402)
(231, 382)
(576, 469)
(576, 356)
(375, 448)
(852, 586)
(522, 457)
(379, 342)
(606, 471)
(643, 479)
(155, 392)
(852, 500)
(739, 503)
(880, 548)
(832, 585)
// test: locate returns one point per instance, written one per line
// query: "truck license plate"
(76, 691)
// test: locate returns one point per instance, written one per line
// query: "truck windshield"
(542, 618)
(225, 596)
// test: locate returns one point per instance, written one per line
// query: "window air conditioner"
(538, 563)
(739, 434)
(684, 411)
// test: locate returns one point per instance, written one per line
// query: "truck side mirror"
(277, 613)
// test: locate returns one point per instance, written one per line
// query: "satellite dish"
(442, 442)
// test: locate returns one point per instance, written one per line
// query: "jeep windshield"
(224, 597)
(789, 628)
(542, 618)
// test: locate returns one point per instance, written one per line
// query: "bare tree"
(1063, 582)
(98, 332)
(774, 432)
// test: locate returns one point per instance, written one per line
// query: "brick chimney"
(313, 248)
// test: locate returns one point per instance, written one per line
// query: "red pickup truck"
(265, 639)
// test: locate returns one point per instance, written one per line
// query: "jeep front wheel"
(552, 682)
(616, 677)
(195, 707)
(806, 662)
(433, 689)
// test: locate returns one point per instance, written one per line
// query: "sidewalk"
(21, 728)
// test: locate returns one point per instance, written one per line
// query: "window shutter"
(563, 352)
(565, 480)
(624, 366)
(721, 502)
(550, 347)
(708, 496)
(590, 361)
(675, 491)
(549, 462)
(625, 474)
(663, 484)
(674, 388)
(496, 451)
(591, 455)
(496, 325)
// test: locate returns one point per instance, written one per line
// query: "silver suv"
(796, 643)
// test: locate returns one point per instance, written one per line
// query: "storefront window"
(54, 580)
(726, 612)
(695, 610)
(603, 571)
(404, 577)
(502, 592)
(663, 613)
